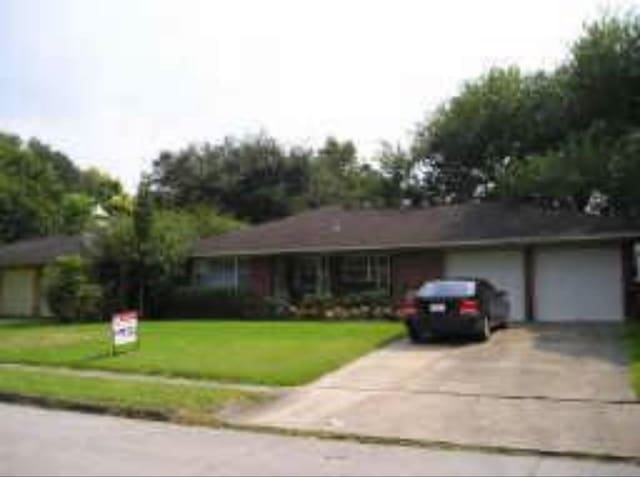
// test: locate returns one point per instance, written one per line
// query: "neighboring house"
(22, 282)
(555, 266)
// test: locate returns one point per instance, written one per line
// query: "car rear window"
(448, 288)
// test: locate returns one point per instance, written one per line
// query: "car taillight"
(408, 309)
(469, 307)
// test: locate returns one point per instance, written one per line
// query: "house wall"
(261, 275)
(409, 270)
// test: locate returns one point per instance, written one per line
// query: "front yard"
(633, 340)
(274, 353)
(175, 402)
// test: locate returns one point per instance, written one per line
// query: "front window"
(365, 272)
(230, 273)
(311, 275)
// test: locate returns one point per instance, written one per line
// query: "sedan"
(463, 306)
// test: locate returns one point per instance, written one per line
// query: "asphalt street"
(45, 442)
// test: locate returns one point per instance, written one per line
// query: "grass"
(180, 403)
(633, 342)
(274, 353)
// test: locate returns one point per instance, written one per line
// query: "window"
(439, 289)
(366, 271)
(222, 273)
(311, 275)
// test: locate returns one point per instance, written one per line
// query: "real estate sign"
(124, 328)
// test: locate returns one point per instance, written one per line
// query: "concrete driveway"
(552, 388)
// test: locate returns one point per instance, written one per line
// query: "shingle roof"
(40, 251)
(336, 228)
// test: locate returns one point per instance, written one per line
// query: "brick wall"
(261, 275)
(409, 270)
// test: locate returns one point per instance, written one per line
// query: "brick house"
(544, 260)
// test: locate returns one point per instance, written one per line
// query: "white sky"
(112, 83)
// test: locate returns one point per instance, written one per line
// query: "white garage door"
(17, 292)
(578, 284)
(503, 268)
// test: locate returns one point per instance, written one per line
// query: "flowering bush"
(360, 306)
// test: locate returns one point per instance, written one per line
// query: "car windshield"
(448, 288)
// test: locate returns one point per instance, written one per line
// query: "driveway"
(554, 388)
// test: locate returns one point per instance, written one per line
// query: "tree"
(604, 72)
(29, 190)
(254, 179)
(400, 179)
(142, 223)
(142, 252)
(333, 173)
(206, 221)
(99, 185)
(75, 213)
(71, 290)
(558, 138)
(42, 191)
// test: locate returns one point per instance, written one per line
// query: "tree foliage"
(564, 138)
(142, 253)
(252, 179)
(72, 292)
(257, 179)
(43, 192)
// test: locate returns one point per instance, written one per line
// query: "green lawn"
(633, 340)
(277, 353)
(175, 402)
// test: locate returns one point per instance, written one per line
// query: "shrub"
(356, 306)
(71, 292)
(202, 302)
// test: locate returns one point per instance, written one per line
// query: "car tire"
(417, 334)
(485, 333)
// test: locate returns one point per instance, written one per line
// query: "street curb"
(160, 416)
(89, 408)
(429, 444)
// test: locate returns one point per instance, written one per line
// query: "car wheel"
(486, 329)
(417, 334)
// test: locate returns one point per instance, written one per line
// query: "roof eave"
(431, 245)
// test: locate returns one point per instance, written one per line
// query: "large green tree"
(141, 250)
(256, 179)
(43, 192)
(567, 138)
(253, 179)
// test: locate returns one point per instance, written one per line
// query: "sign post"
(124, 330)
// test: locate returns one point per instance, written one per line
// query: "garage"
(578, 284)
(503, 268)
(18, 292)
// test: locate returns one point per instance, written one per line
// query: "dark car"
(462, 306)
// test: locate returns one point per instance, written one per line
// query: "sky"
(113, 83)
